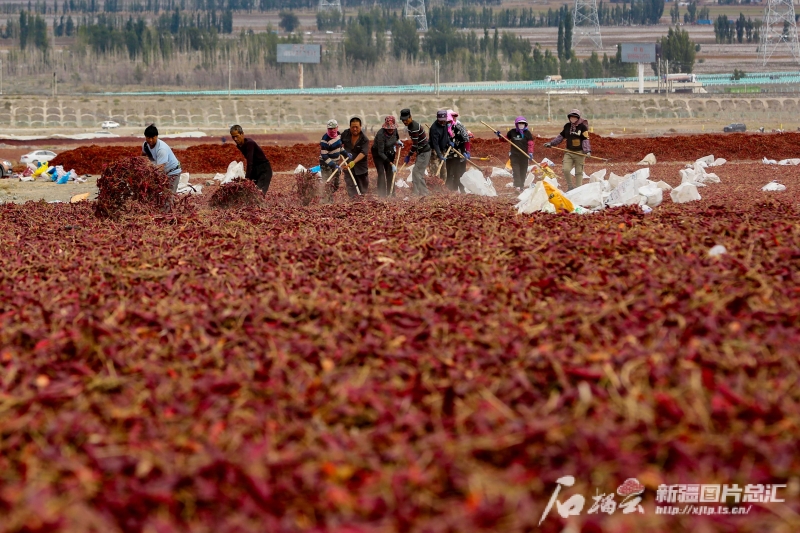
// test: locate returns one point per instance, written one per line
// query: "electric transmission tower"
(779, 28)
(586, 23)
(325, 5)
(416, 9)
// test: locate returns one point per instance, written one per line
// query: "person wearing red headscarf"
(384, 152)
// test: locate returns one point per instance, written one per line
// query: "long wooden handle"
(443, 159)
(506, 139)
(577, 153)
(467, 160)
(394, 175)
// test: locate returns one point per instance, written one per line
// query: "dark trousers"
(455, 169)
(361, 179)
(262, 176)
(519, 167)
(385, 175)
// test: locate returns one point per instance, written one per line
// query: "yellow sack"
(508, 164)
(41, 170)
(558, 199)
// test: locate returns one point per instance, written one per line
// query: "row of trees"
(740, 30)
(31, 30)
(692, 14)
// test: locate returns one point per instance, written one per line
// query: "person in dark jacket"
(440, 141)
(258, 168)
(384, 152)
(356, 144)
(576, 133)
(522, 138)
(420, 146)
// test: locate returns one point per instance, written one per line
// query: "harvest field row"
(393, 366)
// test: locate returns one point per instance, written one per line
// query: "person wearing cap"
(330, 149)
(161, 155)
(576, 133)
(522, 138)
(456, 165)
(384, 151)
(356, 145)
(441, 141)
(421, 148)
(258, 170)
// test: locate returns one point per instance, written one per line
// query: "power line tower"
(325, 5)
(416, 9)
(586, 23)
(779, 28)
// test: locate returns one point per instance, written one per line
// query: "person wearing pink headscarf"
(457, 165)
(384, 152)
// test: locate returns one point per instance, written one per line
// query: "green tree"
(560, 42)
(679, 50)
(358, 44)
(495, 72)
(405, 39)
(23, 30)
(593, 67)
(289, 21)
(568, 36)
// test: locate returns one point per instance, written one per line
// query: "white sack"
(474, 183)
(623, 193)
(649, 159)
(707, 160)
(769, 161)
(533, 200)
(614, 181)
(597, 176)
(501, 173)
(664, 186)
(235, 170)
(787, 162)
(652, 194)
(300, 169)
(589, 195)
(773, 186)
(685, 192)
(718, 162)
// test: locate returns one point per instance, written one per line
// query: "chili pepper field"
(392, 366)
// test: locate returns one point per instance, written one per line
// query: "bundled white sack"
(705, 161)
(773, 186)
(589, 195)
(624, 193)
(235, 170)
(718, 162)
(184, 187)
(534, 199)
(474, 183)
(769, 161)
(653, 196)
(300, 169)
(614, 180)
(664, 186)
(685, 192)
(501, 173)
(401, 184)
(597, 176)
(788, 162)
(649, 159)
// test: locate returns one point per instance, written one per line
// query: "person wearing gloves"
(330, 148)
(384, 151)
(441, 141)
(161, 156)
(356, 145)
(421, 148)
(522, 138)
(456, 165)
(576, 133)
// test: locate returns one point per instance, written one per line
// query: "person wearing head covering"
(576, 133)
(330, 148)
(421, 147)
(356, 144)
(441, 141)
(456, 165)
(384, 152)
(161, 155)
(521, 137)
(258, 170)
